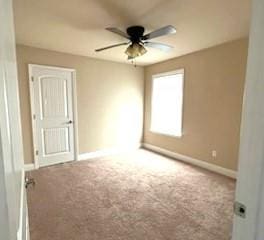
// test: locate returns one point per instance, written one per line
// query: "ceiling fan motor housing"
(135, 33)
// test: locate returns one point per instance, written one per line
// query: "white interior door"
(53, 115)
(13, 206)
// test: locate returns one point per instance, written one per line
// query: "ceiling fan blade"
(119, 32)
(160, 32)
(161, 46)
(112, 46)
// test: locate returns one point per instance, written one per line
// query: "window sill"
(166, 134)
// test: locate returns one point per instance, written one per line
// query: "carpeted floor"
(137, 196)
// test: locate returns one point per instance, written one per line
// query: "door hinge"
(32, 78)
(240, 209)
(34, 116)
(37, 152)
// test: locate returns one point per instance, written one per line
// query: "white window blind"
(167, 102)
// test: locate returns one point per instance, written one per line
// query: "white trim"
(32, 104)
(51, 67)
(32, 107)
(75, 116)
(166, 134)
(107, 152)
(29, 167)
(23, 228)
(193, 161)
(21, 208)
(163, 74)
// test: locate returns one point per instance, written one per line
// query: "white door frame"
(32, 104)
(250, 184)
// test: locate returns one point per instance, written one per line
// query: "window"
(167, 101)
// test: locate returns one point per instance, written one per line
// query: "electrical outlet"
(214, 153)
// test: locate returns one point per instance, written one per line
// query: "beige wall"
(213, 92)
(109, 99)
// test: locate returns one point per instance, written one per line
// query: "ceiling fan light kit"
(138, 41)
(135, 50)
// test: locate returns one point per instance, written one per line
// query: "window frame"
(163, 74)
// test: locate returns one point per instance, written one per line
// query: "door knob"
(70, 122)
(29, 181)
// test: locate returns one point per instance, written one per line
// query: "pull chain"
(133, 61)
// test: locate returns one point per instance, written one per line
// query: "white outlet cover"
(214, 153)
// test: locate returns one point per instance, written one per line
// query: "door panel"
(53, 97)
(56, 141)
(53, 109)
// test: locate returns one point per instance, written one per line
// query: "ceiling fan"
(137, 41)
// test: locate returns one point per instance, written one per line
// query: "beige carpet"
(137, 196)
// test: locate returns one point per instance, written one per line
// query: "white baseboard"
(29, 167)
(107, 152)
(193, 161)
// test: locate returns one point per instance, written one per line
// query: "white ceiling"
(77, 26)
